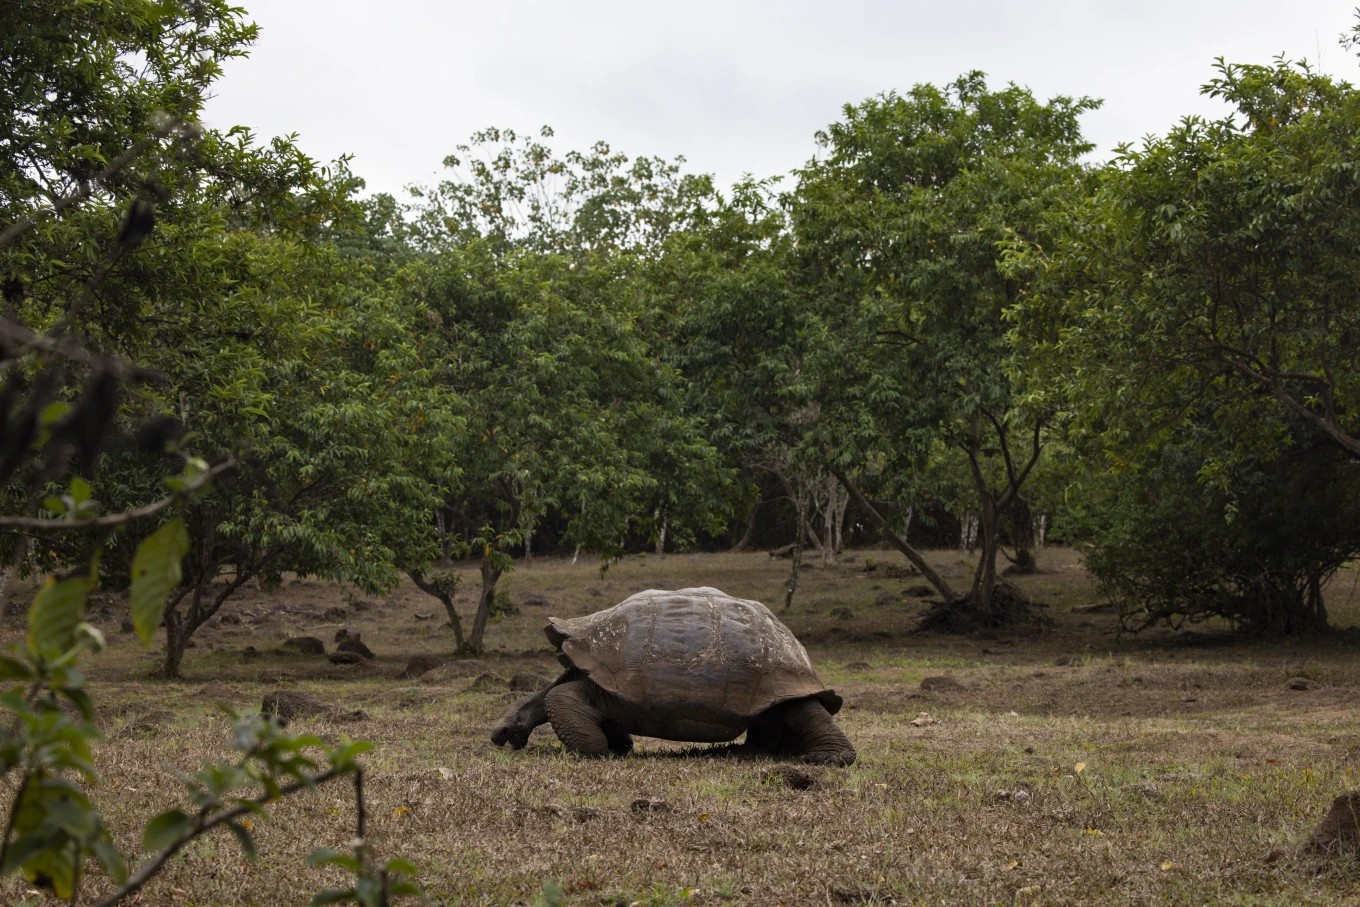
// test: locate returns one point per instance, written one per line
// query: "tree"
(1198, 312)
(97, 128)
(1219, 262)
(254, 336)
(897, 229)
(530, 276)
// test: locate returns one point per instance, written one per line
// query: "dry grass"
(1070, 766)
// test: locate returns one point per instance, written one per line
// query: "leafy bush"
(1254, 546)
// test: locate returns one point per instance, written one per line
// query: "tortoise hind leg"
(802, 728)
(580, 723)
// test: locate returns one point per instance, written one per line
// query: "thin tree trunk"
(491, 575)
(445, 597)
(989, 540)
(799, 494)
(829, 523)
(912, 555)
(750, 532)
(180, 627)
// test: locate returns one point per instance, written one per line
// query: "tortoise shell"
(694, 652)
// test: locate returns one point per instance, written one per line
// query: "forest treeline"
(949, 315)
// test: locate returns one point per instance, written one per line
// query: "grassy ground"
(1061, 766)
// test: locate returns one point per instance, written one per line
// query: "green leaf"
(332, 896)
(76, 819)
(165, 829)
(57, 609)
(396, 864)
(243, 836)
(155, 572)
(13, 669)
(80, 490)
(325, 856)
(109, 858)
(55, 867)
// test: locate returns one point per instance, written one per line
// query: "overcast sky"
(735, 87)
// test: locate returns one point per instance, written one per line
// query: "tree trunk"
(486, 599)
(799, 494)
(661, 526)
(445, 596)
(180, 627)
(912, 555)
(829, 528)
(989, 540)
(750, 532)
(176, 641)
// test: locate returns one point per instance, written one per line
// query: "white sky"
(735, 87)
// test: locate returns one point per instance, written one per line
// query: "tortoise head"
(519, 721)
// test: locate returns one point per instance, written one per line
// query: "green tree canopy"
(897, 227)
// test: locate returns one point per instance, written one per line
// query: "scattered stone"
(423, 615)
(352, 643)
(484, 682)
(649, 805)
(335, 613)
(1019, 795)
(340, 634)
(842, 614)
(277, 677)
(219, 692)
(345, 657)
(1302, 683)
(286, 705)
(421, 664)
(306, 645)
(940, 683)
(797, 777)
(535, 601)
(361, 604)
(1340, 828)
(289, 705)
(522, 682)
(922, 719)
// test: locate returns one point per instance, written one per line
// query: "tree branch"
(912, 555)
(42, 524)
(203, 824)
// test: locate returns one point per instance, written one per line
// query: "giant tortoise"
(693, 665)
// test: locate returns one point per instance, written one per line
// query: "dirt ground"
(1058, 764)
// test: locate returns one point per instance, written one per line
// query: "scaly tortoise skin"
(694, 665)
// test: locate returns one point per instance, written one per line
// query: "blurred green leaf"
(155, 573)
(165, 829)
(56, 610)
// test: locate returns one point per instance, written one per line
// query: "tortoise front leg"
(576, 716)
